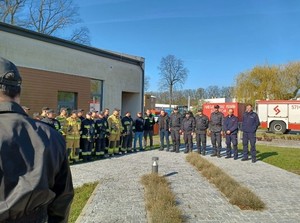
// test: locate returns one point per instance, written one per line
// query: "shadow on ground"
(262, 156)
(170, 174)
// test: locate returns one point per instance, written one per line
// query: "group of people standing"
(216, 126)
(96, 135)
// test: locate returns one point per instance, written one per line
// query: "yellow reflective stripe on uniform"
(86, 137)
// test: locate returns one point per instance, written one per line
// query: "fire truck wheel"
(278, 127)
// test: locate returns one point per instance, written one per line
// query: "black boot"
(218, 154)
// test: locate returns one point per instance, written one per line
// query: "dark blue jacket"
(250, 122)
(231, 123)
(138, 124)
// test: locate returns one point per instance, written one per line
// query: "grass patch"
(236, 194)
(160, 201)
(81, 196)
(285, 158)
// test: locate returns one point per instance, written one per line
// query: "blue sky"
(216, 39)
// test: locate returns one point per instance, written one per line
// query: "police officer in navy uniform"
(175, 125)
(201, 122)
(87, 135)
(230, 127)
(35, 177)
(250, 124)
(188, 129)
(215, 130)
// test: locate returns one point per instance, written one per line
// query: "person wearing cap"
(250, 123)
(175, 125)
(73, 125)
(138, 129)
(230, 128)
(51, 121)
(148, 128)
(36, 183)
(201, 122)
(115, 129)
(105, 116)
(87, 136)
(127, 123)
(80, 114)
(164, 126)
(215, 130)
(101, 127)
(62, 119)
(188, 130)
(44, 111)
(81, 117)
(94, 115)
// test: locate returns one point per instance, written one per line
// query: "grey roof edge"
(136, 60)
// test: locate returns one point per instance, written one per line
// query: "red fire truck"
(278, 116)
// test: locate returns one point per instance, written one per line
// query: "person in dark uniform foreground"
(35, 178)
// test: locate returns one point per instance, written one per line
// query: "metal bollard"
(154, 164)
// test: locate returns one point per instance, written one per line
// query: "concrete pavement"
(120, 195)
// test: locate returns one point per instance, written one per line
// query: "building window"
(67, 99)
(96, 95)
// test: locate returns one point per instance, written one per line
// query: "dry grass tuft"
(160, 201)
(237, 194)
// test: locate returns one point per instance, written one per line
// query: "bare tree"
(49, 16)
(81, 35)
(227, 92)
(9, 10)
(213, 91)
(172, 73)
(146, 83)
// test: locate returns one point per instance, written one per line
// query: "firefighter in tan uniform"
(115, 129)
(62, 118)
(73, 124)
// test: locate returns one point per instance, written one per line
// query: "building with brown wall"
(60, 73)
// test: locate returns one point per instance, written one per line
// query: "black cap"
(216, 106)
(50, 111)
(9, 74)
(45, 108)
(189, 113)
